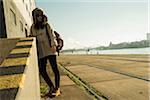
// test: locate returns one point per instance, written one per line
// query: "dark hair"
(33, 14)
(39, 25)
(45, 17)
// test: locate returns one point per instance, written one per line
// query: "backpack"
(60, 42)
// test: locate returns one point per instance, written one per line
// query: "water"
(115, 51)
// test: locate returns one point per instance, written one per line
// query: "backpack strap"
(49, 39)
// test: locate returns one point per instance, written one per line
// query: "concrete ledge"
(8, 93)
(6, 45)
(5, 70)
(20, 50)
(10, 81)
(19, 75)
(18, 55)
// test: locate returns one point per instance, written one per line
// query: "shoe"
(49, 94)
(57, 92)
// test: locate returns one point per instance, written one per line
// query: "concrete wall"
(30, 89)
(2, 22)
(19, 74)
(6, 45)
(25, 7)
(17, 18)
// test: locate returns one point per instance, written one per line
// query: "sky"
(92, 23)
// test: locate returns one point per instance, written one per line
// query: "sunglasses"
(38, 15)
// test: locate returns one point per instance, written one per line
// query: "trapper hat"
(35, 12)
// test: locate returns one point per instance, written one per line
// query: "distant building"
(15, 18)
(110, 44)
(148, 36)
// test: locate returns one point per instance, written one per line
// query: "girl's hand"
(53, 49)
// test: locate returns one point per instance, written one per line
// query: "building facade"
(16, 18)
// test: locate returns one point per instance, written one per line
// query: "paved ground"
(117, 77)
(70, 91)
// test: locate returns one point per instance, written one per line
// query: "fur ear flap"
(33, 15)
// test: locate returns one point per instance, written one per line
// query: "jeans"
(43, 72)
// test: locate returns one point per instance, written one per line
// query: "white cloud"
(71, 43)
